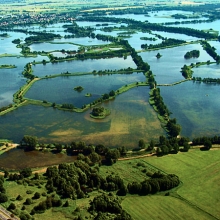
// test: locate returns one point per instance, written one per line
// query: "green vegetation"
(99, 112)
(78, 88)
(166, 43)
(158, 55)
(211, 51)
(5, 66)
(95, 186)
(4, 35)
(197, 170)
(193, 53)
(160, 206)
(88, 95)
(187, 72)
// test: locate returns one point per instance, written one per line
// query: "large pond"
(215, 25)
(216, 45)
(157, 17)
(195, 106)
(167, 68)
(131, 118)
(60, 90)
(52, 46)
(176, 36)
(12, 79)
(6, 43)
(86, 41)
(83, 66)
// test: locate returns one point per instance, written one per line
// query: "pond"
(167, 68)
(195, 106)
(216, 45)
(12, 79)
(6, 43)
(131, 118)
(83, 66)
(157, 16)
(61, 89)
(86, 41)
(207, 71)
(47, 47)
(176, 36)
(215, 25)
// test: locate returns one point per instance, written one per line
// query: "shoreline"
(10, 146)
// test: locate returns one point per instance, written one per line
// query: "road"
(5, 215)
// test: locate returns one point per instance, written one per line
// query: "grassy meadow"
(199, 173)
(158, 207)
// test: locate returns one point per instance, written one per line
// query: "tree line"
(40, 37)
(207, 80)
(211, 51)
(165, 43)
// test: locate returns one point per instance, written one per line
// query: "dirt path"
(136, 157)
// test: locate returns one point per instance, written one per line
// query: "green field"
(160, 207)
(128, 170)
(197, 197)
(199, 172)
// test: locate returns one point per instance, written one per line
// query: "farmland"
(198, 171)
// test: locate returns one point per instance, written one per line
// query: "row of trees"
(158, 102)
(75, 148)
(3, 196)
(158, 182)
(206, 80)
(165, 43)
(172, 145)
(41, 37)
(211, 51)
(204, 139)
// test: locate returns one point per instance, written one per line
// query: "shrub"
(3, 198)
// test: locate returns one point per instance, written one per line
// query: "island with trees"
(99, 112)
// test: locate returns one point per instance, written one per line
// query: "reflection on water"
(131, 118)
(60, 90)
(167, 68)
(83, 66)
(195, 106)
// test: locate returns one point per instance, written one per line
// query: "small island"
(99, 112)
(5, 66)
(4, 35)
(158, 55)
(192, 54)
(78, 88)
(88, 95)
